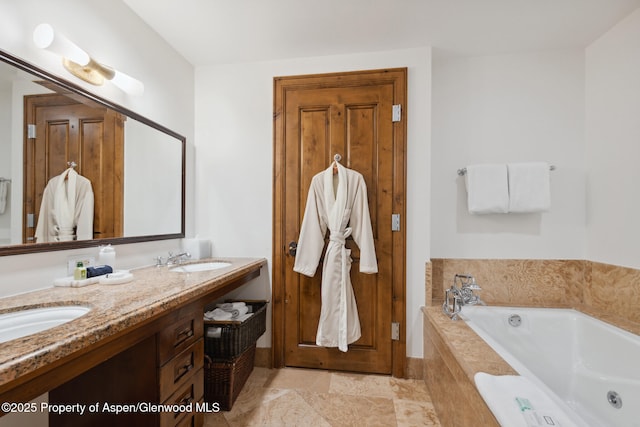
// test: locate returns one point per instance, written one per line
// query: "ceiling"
(208, 32)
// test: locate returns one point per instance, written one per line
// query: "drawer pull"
(183, 370)
(184, 334)
(186, 401)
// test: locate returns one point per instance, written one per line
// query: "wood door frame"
(398, 77)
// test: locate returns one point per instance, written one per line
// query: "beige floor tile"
(411, 413)
(300, 379)
(260, 376)
(215, 420)
(347, 410)
(410, 390)
(308, 397)
(288, 409)
(361, 385)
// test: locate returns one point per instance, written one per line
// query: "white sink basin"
(201, 266)
(17, 324)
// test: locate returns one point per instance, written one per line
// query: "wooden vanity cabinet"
(181, 365)
(167, 367)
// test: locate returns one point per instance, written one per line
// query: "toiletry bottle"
(107, 256)
(80, 273)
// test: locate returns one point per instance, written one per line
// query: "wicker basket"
(223, 381)
(236, 337)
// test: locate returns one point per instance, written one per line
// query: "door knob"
(293, 248)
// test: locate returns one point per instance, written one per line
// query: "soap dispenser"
(107, 256)
(80, 273)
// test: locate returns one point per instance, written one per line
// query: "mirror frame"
(29, 248)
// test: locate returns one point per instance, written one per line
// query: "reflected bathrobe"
(340, 207)
(66, 211)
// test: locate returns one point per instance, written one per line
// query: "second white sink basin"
(18, 324)
(201, 266)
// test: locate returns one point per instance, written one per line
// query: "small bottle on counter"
(107, 256)
(80, 273)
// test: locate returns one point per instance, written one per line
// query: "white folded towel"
(218, 314)
(487, 188)
(517, 401)
(243, 317)
(236, 312)
(529, 188)
(231, 305)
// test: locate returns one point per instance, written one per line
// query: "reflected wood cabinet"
(164, 369)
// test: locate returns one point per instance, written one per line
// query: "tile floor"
(309, 397)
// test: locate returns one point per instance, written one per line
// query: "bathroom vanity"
(140, 344)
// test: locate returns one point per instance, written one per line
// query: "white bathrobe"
(66, 212)
(345, 212)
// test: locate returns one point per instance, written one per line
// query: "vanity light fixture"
(81, 64)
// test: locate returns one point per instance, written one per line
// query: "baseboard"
(263, 358)
(414, 368)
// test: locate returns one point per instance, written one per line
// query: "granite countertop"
(114, 308)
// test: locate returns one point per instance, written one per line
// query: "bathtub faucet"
(457, 296)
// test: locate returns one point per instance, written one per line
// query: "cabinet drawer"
(188, 394)
(179, 370)
(184, 327)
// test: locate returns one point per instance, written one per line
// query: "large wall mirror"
(52, 132)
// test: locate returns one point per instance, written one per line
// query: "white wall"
(116, 36)
(234, 165)
(613, 144)
(508, 108)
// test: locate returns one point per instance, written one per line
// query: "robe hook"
(72, 164)
(337, 157)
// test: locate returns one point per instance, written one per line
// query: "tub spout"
(452, 303)
(455, 297)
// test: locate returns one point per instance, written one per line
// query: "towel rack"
(4, 179)
(463, 171)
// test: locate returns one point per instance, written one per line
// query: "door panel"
(321, 116)
(93, 138)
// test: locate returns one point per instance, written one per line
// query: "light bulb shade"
(127, 83)
(45, 37)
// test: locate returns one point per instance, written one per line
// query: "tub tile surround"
(453, 353)
(603, 290)
(613, 289)
(115, 308)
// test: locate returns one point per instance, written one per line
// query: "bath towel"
(487, 189)
(217, 314)
(529, 188)
(231, 305)
(516, 401)
(236, 312)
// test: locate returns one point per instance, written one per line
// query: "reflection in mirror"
(135, 166)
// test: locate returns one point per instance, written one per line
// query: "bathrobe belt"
(340, 237)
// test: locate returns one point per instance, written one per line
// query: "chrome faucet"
(455, 297)
(172, 259)
(177, 258)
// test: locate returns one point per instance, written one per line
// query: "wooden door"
(316, 117)
(70, 131)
